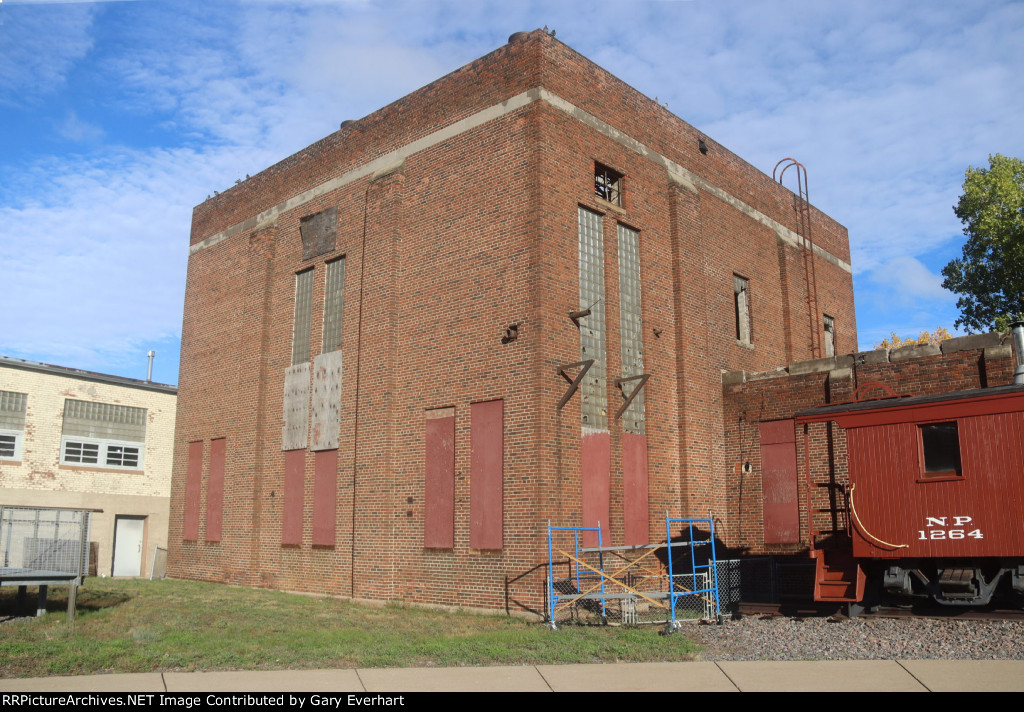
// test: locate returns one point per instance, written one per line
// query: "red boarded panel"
(294, 474)
(486, 474)
(215, 490)
(779, 484)
(439, 497)
(595, 462)
(325, 497)
(634, 482)
(192, 486)
(901, 514)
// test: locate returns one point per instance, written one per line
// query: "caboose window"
(940, 443)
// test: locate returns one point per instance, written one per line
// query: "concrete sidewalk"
(815, 676)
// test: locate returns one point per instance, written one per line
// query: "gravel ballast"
(782, 638)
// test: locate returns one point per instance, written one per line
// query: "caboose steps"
(838, 577)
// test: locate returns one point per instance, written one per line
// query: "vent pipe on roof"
(149, 371)
(1017, 328)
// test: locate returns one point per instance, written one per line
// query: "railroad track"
(807, 610)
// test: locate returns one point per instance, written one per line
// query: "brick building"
(382, 390)
(82, 440)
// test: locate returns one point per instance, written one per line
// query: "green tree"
(990, 276)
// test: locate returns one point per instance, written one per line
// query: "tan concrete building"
(77, 439)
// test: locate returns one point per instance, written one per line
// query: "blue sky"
(116, 118)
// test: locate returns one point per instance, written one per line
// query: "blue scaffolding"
(587, 585)
(699, 549)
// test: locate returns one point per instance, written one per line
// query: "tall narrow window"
(12, 424)
(592, 334)
(608, 184)
(631, 325)
(830, 336)
(334, 302)
(741, 303)
(303, 311)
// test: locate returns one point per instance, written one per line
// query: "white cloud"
(885, 104)
(38, 47)
(75, 129)
(907, 281)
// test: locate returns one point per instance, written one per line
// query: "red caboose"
(935, 504)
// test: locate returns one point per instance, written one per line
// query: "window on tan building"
(103, 435)
(12, 424)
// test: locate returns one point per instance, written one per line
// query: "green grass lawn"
(129, 625)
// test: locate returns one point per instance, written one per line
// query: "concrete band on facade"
(393, 161)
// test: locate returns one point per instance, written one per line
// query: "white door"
(128, 545)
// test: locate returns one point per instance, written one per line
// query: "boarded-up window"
(294, 474)
(215, 490)
(741, 305)
(439, 480)
(830, 336)
(193, 482)
(486, 474)
(779, 485)
(303, 314)
(318, 232)
(334, 303)
(325, 497)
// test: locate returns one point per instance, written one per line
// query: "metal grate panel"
(45, 539)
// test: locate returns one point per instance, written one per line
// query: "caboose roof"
(911, 408)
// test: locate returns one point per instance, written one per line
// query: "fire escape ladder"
(802, 208)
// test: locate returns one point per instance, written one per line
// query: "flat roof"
(19, 363)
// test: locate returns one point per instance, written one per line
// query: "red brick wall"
(468, 236)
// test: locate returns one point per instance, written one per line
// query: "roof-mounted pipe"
(1017, 328)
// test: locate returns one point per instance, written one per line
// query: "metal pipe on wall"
(1017, 328)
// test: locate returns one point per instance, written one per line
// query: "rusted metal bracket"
(633, 394)
(574, 383)
(575, 316)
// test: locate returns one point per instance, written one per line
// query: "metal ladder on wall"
(802, 207)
